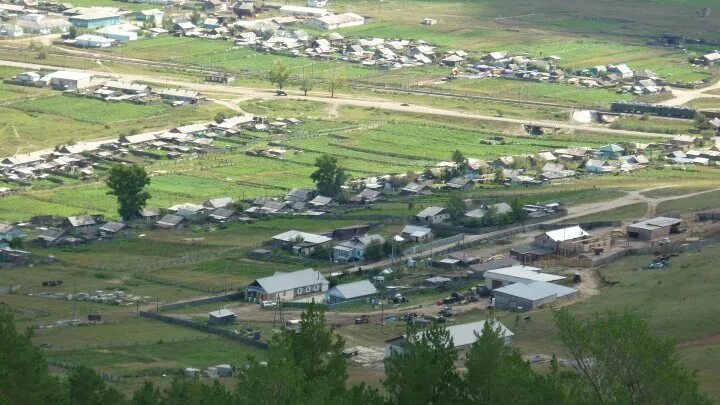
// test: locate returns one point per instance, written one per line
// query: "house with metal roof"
(220, 202)
(497, 278)
(287, 286)
(417, 233)
(655, 228)
(462, 336)
(568, 241)
(432, 215)
(112, 228)
(354, 249)
(9, 232)
(79, 222)
(170, 221)
(300, 243)
(358, 290)
(525, 297)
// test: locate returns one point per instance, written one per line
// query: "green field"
(53, 119)
(696, 203)
(631, 211)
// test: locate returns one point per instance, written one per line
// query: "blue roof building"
(95, 20)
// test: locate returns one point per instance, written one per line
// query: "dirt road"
(682, 97)
(354, 101)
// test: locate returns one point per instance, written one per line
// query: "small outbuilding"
(222, 317)
(525, 297)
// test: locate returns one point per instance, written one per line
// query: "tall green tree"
(424, 371)
(279, 76)
(168, 23)
(462, 163)
(88, 388)
(306, 83)
(127, 183)
(24, 376)
(304, 367)
(618, 361)
(196, 18)
(518, 213)
(335, 81)
(329, 175)
(148, 394)
(456, 207)
(497, 374)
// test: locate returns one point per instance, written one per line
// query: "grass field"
(697, 203)
(632, 211)
(168, 352)
(44, 122)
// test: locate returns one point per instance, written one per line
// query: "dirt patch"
(702, 342)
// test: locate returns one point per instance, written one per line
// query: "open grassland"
(654, 124)
(44, 122)
(705, 103)
(563, 94)
(696, 203)
(168, 352)
(632, 211)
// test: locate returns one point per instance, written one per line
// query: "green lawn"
(632, 211)
(168, 352)
(45, 122)
(696, 203)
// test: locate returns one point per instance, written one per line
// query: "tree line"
(614, 358)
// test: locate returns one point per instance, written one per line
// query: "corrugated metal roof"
(465, 334)
(292, 236)
(289, 281)
(523, 272)
(536, 290)
(357, 289)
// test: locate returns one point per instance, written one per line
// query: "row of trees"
(616, 361)
(280, 77)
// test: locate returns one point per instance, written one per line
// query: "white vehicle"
(268, 304)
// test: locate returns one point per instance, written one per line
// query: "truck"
(454, 298)
(362, 319)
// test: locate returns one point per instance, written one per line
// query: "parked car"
(268, 304)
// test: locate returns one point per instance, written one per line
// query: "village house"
(368, 196)
(287, 286)
(684, 142)
(611, 151)
(710, 58)
(223, 215)
(299, 195)
(416, 233)
(526, 297)
(112, 229)
(599, 166)
(221, 202)
(9, 232)
(354, 249)
(462, 336)
(41, 24)
(460, 183)
(149, 213)
(171, 221)
(432, 215)
(79, 223)
(300, 243)
(655, 228)
(91, 41)
(413, 188)
(322, 202)
(359, 290)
